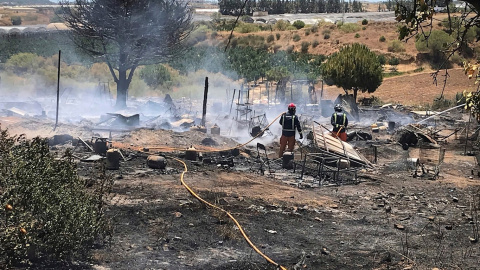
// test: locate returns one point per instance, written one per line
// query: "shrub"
(307, 32)
(457, 59)
(296, 37)
(298, 24)
(16, 20)
(350, 27)
(53, 216)
(291, 28)
(382, 60)
(396, 46)
(247, 28)
(277, 35)
(364, 22)
(393, 61)
(364, 28)
(442, 103)
(281, 25)
(326, 31)
(357, 35)
(305, 45)
(290, 49)
(214, 34)
(314, 29)
(326, 36)
(382, 39)
(315, 43)
(270, 38)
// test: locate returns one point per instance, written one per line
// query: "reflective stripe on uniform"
(293, 124)
(344, 118)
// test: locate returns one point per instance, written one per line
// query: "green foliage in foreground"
(47, 213)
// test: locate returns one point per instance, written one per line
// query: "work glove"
(301, 136)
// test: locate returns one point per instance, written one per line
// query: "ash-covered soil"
(387, 220)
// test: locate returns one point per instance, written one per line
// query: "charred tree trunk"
(122, 88)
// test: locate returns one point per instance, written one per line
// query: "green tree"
(155, 75)
(354, 68)
(16, 20)
(281, 76)
(126, 34)
(24, 63)
(435, 46)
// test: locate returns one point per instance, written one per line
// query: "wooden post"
(233, 98)
(205, 93)
(466, 132)
(58, 89)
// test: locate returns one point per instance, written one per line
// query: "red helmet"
(292, 106)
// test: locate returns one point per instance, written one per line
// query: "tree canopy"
(126, 34)
(355, 68)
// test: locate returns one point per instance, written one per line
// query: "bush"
(314, 29)
(440, 103)
(291, 28)
(50, 213)
(396, 46)
(393, 61)
(382, 60)
(305, 45)
(307, 32)
(364, 28)
(298, 24)
(270, 38)
(277, 35)
(349, 27)
(364, 22)
(16, 20)
(326, 31)
(326, 36)
(290, 49)
(357, 35)
(315, 43)
(247, 28)
(281, 25)
(296, 37)
(382, 39)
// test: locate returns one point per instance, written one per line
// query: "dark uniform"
(289, 123)
(339, 122)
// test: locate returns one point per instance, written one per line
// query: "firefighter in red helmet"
(289, 122)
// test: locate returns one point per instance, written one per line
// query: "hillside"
(415, 75)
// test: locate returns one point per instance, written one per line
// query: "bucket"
(215, 130)
(191, 154)
(343, 164)
(287, 160)
(113, 159)
(100, 146)
(412, 163)
(391, 125)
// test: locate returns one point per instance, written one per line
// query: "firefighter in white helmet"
(339, 122)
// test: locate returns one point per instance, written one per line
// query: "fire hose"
(192, 192)
(226, 212)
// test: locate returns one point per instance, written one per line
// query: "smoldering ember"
(187, 172)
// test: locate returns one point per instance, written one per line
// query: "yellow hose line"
(226, 212)
(218, 150)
